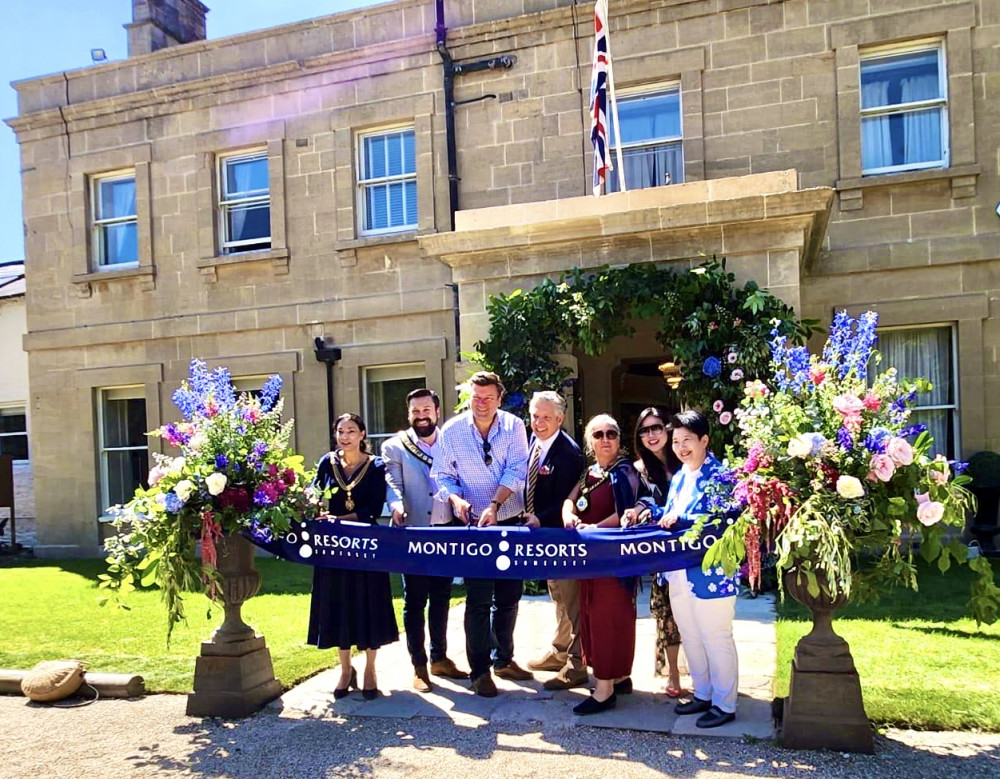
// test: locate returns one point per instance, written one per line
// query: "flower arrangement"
(235, 474)
(829, 472)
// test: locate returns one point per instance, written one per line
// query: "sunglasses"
(649, 430)
(600, 435)
(487, 457)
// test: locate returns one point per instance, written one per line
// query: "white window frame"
(392, 371)
(879, 52)
(954, 407)
(99, 223)
(226, 202)
(650, 90)
(18, 411)
(363, 183)
(129, 392)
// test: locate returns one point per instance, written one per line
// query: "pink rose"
(848, 405)
(882, 466)
(817, 374)
(155, 474)
(872, 402)
(718, 406)
(900, 451)
(939, 478)
(725, 418)
(930, 513)
(922, 497)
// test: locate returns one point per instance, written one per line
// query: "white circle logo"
(291, 538)
(305, 536)
(305, 551)
(503, 546)
(503, 562)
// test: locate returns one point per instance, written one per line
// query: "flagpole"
(614, 104)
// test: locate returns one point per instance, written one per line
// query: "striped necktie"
(529, 498)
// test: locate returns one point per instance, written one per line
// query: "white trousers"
(706, 627)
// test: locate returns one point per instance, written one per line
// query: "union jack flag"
(599, 96)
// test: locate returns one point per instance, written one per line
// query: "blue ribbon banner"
(488, 553)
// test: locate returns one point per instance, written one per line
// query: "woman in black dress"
(352, 608)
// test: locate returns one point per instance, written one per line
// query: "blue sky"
(48, 36)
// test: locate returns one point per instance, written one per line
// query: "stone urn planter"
(824, 709)
(233, 675)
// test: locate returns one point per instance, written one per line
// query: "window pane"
(409, 153)
(375, 157)
(121, 243)
(124, 422)
(246, 177)
(649, 167)
(396, 204)
(386, 408)
(900, 78)
(941, 425)
(411, 202)
(648, 117)
(14, 445)
(925, 353)
(377, 207)
(247, 223)
(394, 146)
(907, 138)
(126, 471)
(117, 198)
(13, 421)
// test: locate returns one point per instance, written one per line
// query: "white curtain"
(925, 353)
(242, 179)
(876, 141)
(122, 237)
(921, 129)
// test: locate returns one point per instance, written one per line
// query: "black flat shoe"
(693, 706)
(370, 695)
(594, 706)
(341, 692)
(714, 717)
(624, 687)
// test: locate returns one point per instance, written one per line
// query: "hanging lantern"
(671, 374)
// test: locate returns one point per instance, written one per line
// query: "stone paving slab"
(648, 709)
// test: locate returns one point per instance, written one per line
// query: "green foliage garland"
(702, 314)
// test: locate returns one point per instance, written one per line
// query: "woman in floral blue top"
(703, 602)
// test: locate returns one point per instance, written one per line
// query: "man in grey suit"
(408, 458)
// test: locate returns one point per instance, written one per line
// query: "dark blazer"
(558, 473)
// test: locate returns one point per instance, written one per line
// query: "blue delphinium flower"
(712, 367)
(269, 393)
(958, 466)
(845, 439)
(877, 440)
(797, 361)
(172, 502)
(221, 462)
(912, 430)
(186, 401)
(222, 388)
(861, 346)
(836, 344)
(261, 533)
(261, 497)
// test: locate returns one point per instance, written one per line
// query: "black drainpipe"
(451, 69)
(329, 355)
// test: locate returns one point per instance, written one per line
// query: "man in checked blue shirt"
(481, 466)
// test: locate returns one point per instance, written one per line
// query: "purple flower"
(269, 393)
(264, 497)
(912, 430)
(261, 533)
(221, 462)
(172, 502)
(877, 440)
(845, 439)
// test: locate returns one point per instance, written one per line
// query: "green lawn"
(924, 664)
(49, 610)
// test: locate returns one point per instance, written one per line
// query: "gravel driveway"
(152, 736)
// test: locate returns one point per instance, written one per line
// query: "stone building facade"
(237, 199)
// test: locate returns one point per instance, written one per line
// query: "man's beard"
(423, 428)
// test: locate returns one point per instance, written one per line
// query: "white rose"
(197, 441)
(176, 466)
(800, 446)
(184, 489)
(216, 483)
(849, 487)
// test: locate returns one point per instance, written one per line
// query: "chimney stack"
(157, 24)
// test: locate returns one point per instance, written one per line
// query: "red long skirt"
(607, 627)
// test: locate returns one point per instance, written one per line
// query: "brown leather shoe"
(421, 681)
(566, 681)
(549, 662)
(484, 685)
(512, 672)
(447, 669)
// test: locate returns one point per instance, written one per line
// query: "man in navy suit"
(555, 463)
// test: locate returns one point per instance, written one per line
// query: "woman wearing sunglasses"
(607, 605)
(656, 466)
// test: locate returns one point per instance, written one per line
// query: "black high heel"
(370, 695)
(341, 692)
